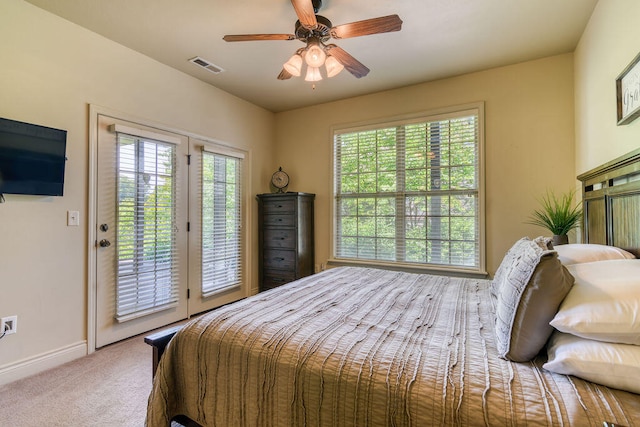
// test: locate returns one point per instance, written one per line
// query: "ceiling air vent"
(213, 68)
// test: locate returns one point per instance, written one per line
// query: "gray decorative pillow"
(512, 254)
(530, 291)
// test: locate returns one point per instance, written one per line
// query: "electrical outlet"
(9, 325)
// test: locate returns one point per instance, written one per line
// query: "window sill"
(412, 268)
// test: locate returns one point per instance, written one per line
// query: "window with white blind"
(221, 222)
(410, 192)
(147, 279)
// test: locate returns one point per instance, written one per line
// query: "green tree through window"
(221, 222)
(408, 192)
(146, 266)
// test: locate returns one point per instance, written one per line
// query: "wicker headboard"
(611, 196)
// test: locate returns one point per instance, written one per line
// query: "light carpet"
(107, 388)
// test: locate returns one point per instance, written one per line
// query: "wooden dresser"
(286, 251)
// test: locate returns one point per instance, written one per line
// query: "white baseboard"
(33, 365)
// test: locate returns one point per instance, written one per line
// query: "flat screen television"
(32, 159)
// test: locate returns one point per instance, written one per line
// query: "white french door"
(141, 254)
(217, 209)
(169, 228)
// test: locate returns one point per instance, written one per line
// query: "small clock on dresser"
(280, 180)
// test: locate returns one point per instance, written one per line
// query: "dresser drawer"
(278, 206)
(284, 220)
(279, 238)
(282, 260)
(273, 279)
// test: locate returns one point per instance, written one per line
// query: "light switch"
(73, 218)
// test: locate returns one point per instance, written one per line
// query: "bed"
(358, 346)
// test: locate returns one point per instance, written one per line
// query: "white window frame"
(432, 115)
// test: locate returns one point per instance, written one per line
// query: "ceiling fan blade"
(384, 24)
(306, 14)
(253, 37)
(284, 75)
(352, 65)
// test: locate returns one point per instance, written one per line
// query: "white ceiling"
(439, 38)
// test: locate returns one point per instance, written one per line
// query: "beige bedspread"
(367, 347)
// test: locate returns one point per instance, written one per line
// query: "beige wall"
(608, 45)
(529, 141)
(50, 71)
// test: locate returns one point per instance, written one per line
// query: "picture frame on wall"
(628, 92)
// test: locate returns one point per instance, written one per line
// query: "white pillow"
(612, 365)
(604, 303)
(576, 253)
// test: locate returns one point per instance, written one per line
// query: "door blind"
(221, 222)
(147, 271)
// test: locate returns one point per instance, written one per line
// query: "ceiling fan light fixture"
(315, 56)
(294, 65)
(315, 31)
(333, 66)
(313, 74)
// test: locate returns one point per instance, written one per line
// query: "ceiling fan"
(315, 30)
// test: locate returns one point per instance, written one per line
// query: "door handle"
(104, 243)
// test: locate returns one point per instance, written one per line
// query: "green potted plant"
(558, 215)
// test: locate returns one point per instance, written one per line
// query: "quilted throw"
(367, 347)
